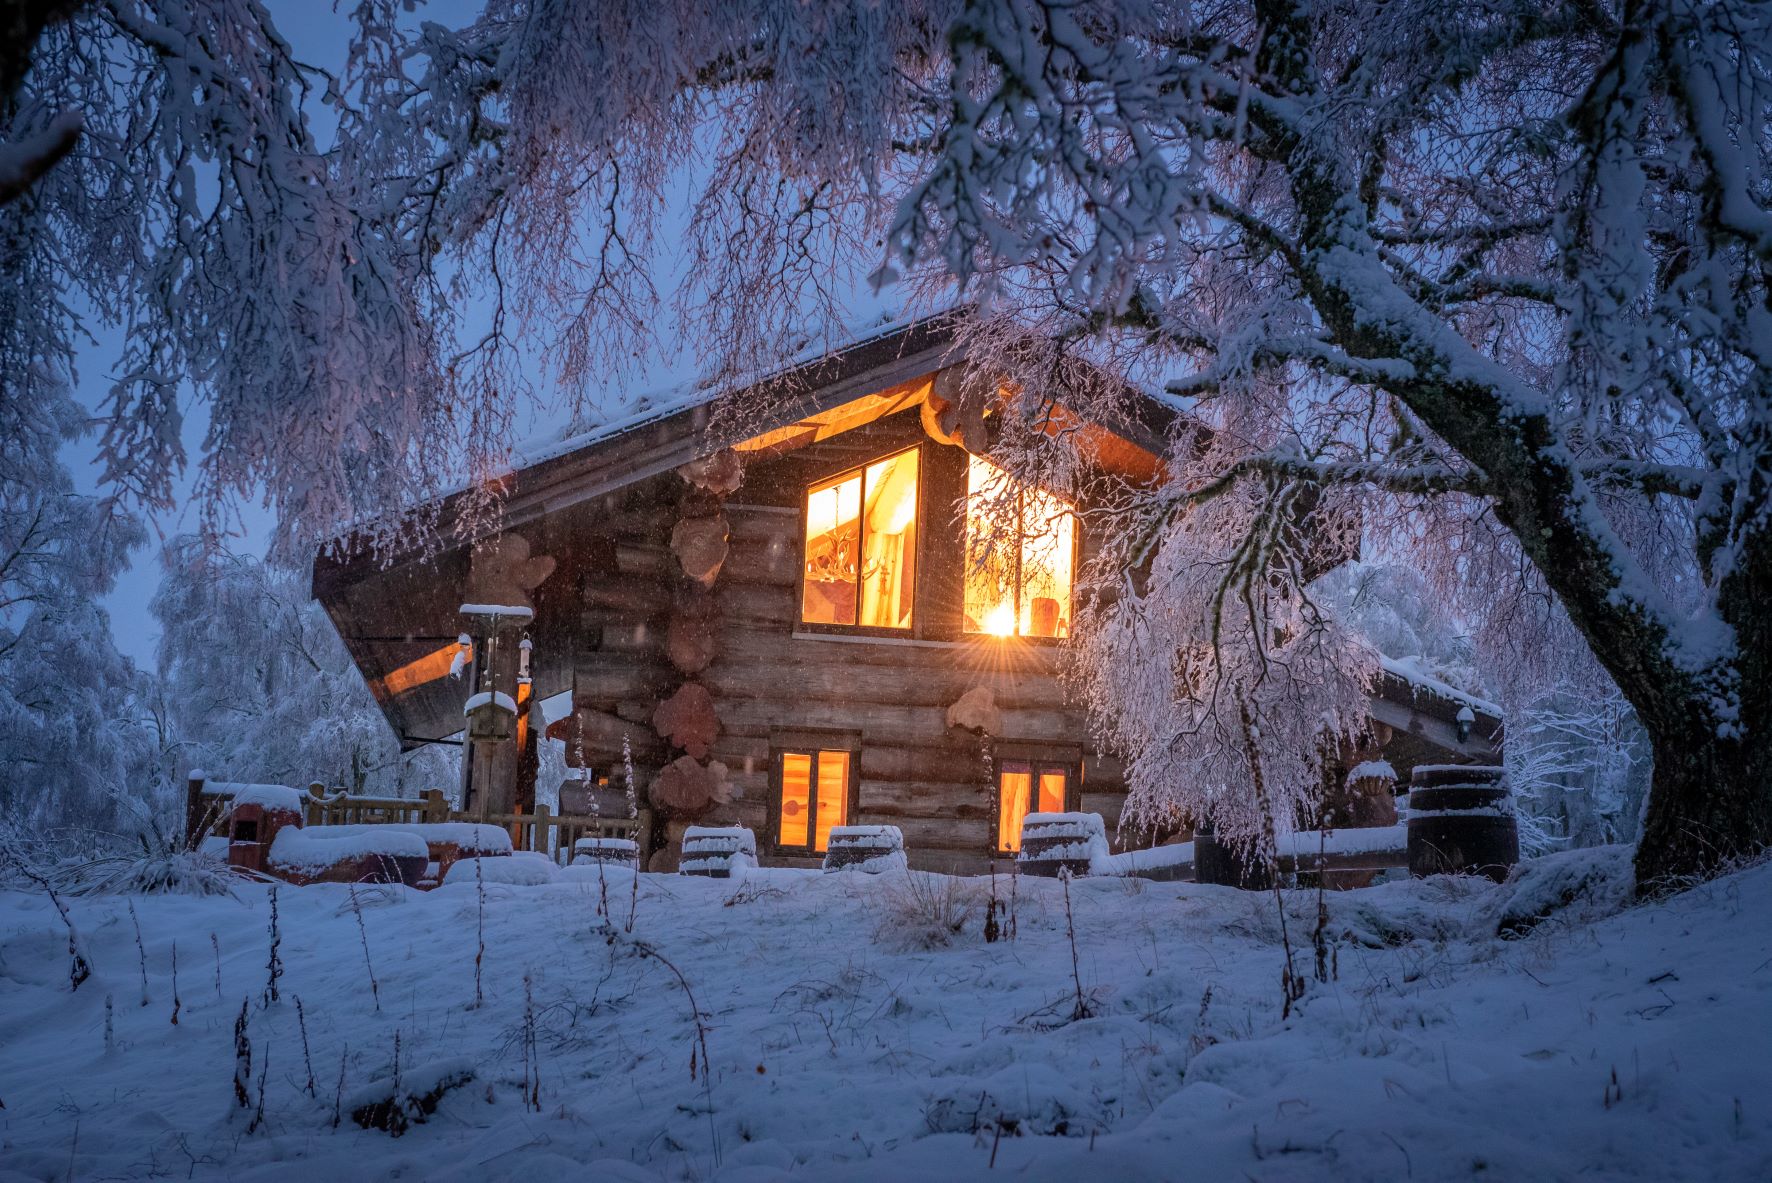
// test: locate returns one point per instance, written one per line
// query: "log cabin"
(785, 619)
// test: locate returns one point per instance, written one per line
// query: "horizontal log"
(632, 638)
(922, 793)
(772, 562)
(612, 589)
(997, 655)
(967, 835)
(901, 725)
(653, 560)
(837, 682)
(752, 523)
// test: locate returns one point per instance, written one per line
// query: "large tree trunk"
(1710, 803)
(1710, 800)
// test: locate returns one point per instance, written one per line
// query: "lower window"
(1024, 787)
(814, 790)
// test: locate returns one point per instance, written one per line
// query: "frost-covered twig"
(79, 965)
(242, 1058)
(274, 964)
(479, 930)
(369, 966)
(141, 952)
(177, 1005)
(1082, 1009)
(301, 1019)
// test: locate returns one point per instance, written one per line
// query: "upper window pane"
(861, 546)
(1021, 547)
(833, 550)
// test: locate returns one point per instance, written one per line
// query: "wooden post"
(314, 808)
(194, 813)
(436, 806)
(542, 813)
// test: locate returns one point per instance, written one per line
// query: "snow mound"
(1572, 886)
(1020, 1100)
(892, 860)
(313, 850)
(1155, 858)
(466, 835)
(593, 871)
(509, 870)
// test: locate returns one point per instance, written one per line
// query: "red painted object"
(252, 827)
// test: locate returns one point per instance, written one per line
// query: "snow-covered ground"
(846, 1041)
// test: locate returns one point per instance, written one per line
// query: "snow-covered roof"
(665, 401)
(1410, 670)
(266, 796)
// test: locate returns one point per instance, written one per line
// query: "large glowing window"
(861, 546)
(813, 796)
(1021, 556)
(1025, 787)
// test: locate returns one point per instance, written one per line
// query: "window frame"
(1037, 758)
(909, 629)
(1021, 491)
(813, 743)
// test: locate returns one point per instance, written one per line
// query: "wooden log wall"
(770, 674)
(766, 674)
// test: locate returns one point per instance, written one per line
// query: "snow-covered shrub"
(1575, 887)
(393, 1103)
(924, 910)
(1396, 609)
(152, 870)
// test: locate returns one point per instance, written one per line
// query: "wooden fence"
(543, 831)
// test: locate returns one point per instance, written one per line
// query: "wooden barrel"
(614, 852)
(1461, 821)
(1060, 843)
(1228, 866)
(860, 846)
(713, 851)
